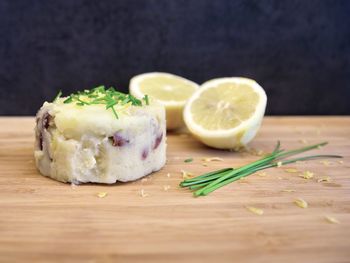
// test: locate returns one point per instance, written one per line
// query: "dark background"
(299, 51)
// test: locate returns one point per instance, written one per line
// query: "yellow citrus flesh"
(170, 90)
(226, 113)
(224, 107)
(167, 88)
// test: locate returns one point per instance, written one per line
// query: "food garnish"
(100, 95)
(209, 182)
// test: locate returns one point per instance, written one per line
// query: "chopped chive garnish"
(68, 100)
(209, 182)
(59, 94)
(146, 99)
(188, 160)
(100, 95)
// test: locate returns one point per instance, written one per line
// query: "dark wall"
(299, 51)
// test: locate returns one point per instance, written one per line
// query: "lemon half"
(226, 113)
(170, 90)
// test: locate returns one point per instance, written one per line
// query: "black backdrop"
(299, 51)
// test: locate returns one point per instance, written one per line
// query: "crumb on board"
(256, 152)
(143, 180)
(166, 187)
(142, 193)
(186, 175)
(205, 164)
(324, 179)
(168, 174)
(212, 159)
(303, 141)
(340, 162)
(332, 220)
(261, 174)
(291, 170)
(279, 164)
(301, 203)
(243, 180)
(288, 190)
(255, 210)
(102, 194)
(307, 175)
(326, 162)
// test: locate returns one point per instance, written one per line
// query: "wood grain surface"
(42, 220)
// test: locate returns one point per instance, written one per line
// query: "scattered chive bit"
(146, 99)
(188, 160)
(255, 210)
(279, 164)
(332, 220)
(102, 194)
(209, 182)
(301, 203)
(100, 95)
(59, 94)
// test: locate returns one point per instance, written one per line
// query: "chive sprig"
(206, 183)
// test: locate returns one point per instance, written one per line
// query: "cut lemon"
(170, 90)
(226, 113)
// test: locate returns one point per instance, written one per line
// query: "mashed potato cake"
(100, 136)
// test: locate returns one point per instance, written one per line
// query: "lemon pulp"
(167, 88)
(218, 109)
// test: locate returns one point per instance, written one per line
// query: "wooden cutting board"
(42, 220)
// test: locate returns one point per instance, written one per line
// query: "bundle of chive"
(209, 182)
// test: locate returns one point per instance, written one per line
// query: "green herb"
(57, 96)
(209, 182)
(146, 99)
(100, 95)
(188, 160)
